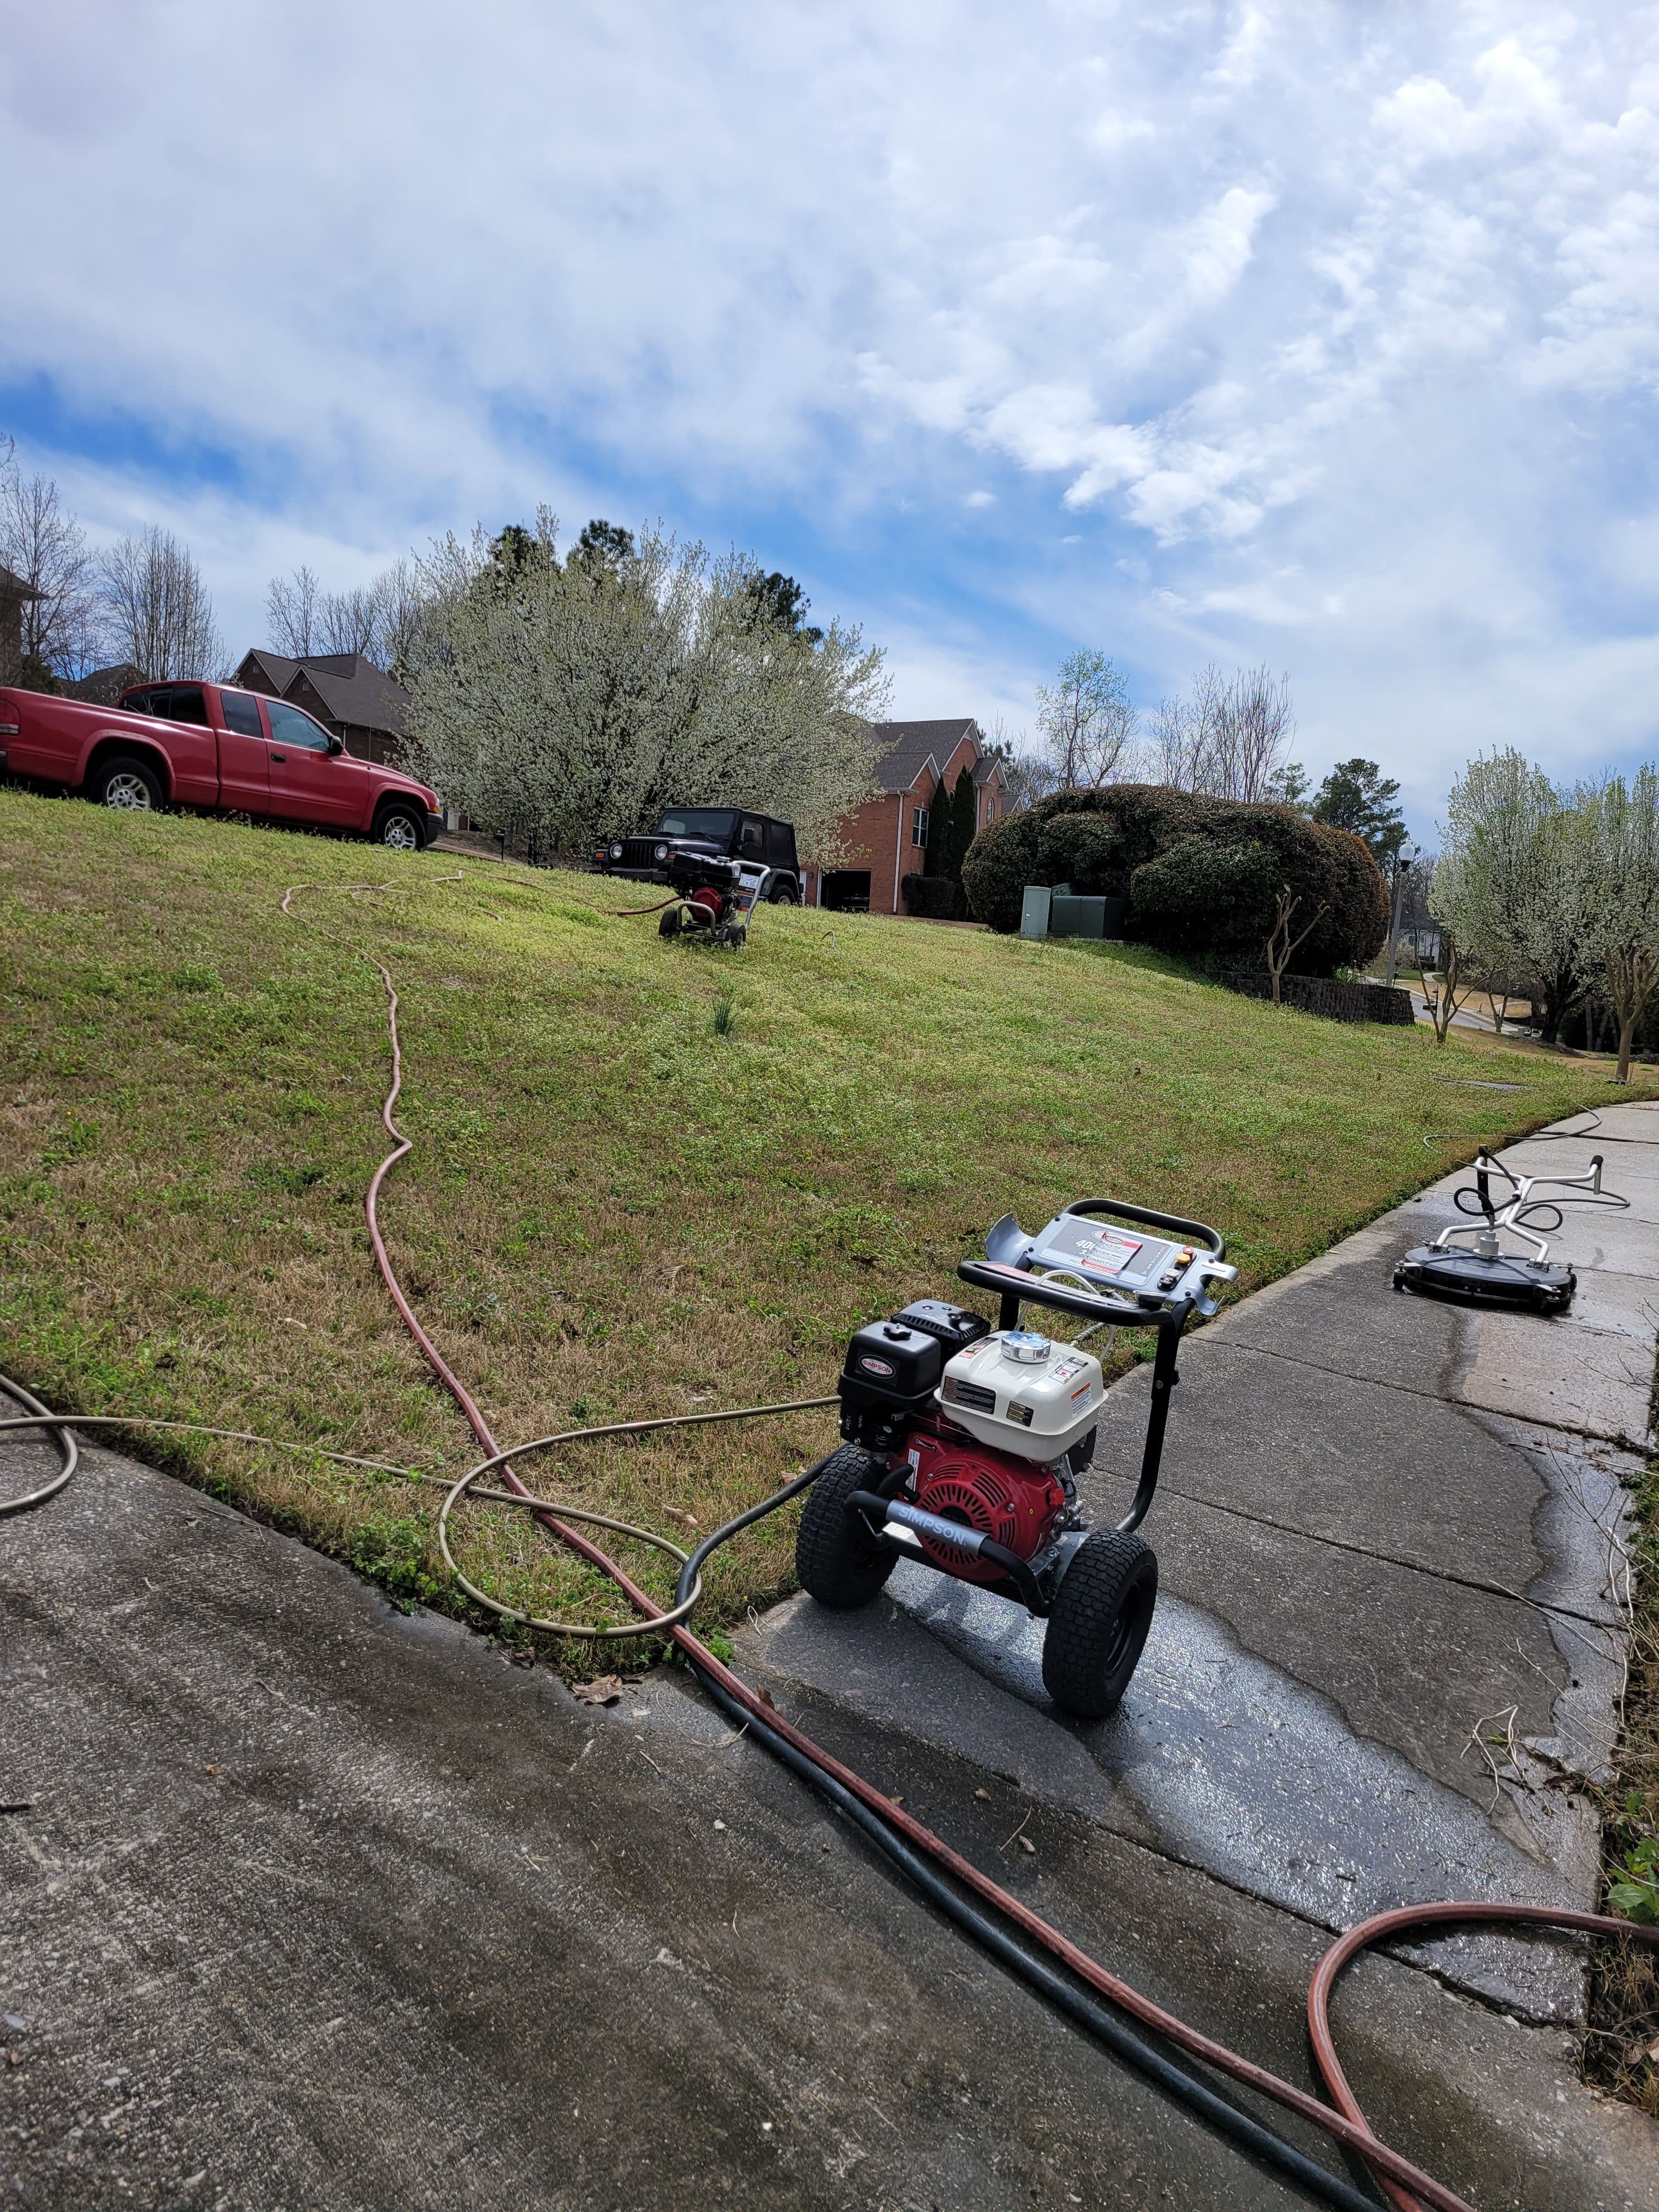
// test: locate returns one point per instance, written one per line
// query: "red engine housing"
(710, 902)
(1012, 1501)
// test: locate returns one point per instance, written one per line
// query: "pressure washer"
(963, 1443)
(713, 898)
(1484, 1273)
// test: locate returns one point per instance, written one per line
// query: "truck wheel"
(1097, 1630)
(834, 1562)
(784, 892)
(127, 781)
(401, 829)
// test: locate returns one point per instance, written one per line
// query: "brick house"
(13, 593)
(364, 706)
(887, 839)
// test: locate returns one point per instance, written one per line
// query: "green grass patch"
(646, 1179)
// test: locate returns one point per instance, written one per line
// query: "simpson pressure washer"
(964, 1442)
(1158, 1282)
(713, 898)
(1482, 1273)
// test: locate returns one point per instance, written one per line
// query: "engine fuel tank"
(1023, 1393)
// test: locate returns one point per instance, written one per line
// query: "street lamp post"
(1401, 862)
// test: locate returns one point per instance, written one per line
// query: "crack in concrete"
(1618, 1438)
(1383, 1558)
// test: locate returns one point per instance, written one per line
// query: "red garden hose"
(1411, 1919)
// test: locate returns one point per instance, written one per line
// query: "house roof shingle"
(354, 691)
(15, 587)
(277, 668)
(904, 750)
(350, 685)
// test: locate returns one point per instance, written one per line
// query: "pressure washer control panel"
(1120, 1260)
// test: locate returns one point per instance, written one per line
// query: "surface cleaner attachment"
(1481, 1273)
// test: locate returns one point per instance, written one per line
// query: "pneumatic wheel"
(835, 1561)
(783, 893)
(400, 829)
(1097, 1630)
(129, 783)
(672, 922)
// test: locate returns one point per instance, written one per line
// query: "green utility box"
(1059, 911)
(1033, 914)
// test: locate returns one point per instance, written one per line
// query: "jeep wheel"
(127, 781)
(785, 892)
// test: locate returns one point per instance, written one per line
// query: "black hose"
(1250, 2134)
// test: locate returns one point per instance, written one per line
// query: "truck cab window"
(751, 842)
(242, 714)
(289, 726)
(780, 845)
(182, 703)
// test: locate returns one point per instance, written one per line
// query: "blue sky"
(1321, 335)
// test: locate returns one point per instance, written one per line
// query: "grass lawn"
(612, 1208)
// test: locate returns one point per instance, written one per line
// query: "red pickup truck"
(210, 745)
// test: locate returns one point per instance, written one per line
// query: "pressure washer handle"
(1022, 1287)
(1190, 1232)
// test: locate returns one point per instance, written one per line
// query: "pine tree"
(964, 820)
(938, 857)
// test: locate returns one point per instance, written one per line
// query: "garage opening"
(846, 891)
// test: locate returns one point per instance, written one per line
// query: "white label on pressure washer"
(1108, 1255)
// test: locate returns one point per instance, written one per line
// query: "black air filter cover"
(891, 1366)
(1442, 1271)
(952, 1325)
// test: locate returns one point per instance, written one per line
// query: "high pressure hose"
(909, 1845)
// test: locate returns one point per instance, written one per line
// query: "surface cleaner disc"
(1441, 1273)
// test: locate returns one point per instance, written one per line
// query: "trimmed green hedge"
(1201, 875)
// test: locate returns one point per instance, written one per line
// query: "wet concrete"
(311, 1904)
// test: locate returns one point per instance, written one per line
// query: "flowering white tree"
(1086, 720)
(1619, 879)
(569, 699)
(1515, 896)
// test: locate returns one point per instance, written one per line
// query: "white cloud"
(1328, 334)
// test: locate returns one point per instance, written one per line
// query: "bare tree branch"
(157, 610)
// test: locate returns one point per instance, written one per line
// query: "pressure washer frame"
(1035, 1583)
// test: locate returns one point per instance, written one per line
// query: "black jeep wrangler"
(708, 832)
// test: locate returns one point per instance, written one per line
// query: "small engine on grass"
(713, 898)
(964, 1443)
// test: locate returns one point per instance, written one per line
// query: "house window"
(919, 826)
